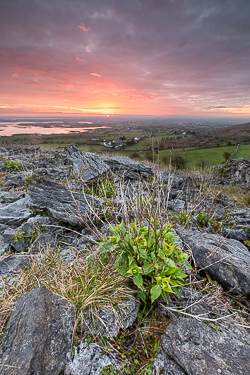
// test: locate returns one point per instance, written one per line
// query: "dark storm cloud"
(196, 50)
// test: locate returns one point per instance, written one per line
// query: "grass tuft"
(86, 283)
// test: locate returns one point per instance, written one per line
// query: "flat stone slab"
(225, 260)
(63, 204)
(10, 264)
(127, 168)
(38, 335)
(107, 323)
(199, 349)
(15, 213)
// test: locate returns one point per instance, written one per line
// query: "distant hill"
(239, 133)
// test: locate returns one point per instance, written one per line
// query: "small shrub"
(103, 188)
(18, 236)
(203, 219)
(178, 161)
(150, 256)
(27, 181)
(183, 218)
(134, 155)
(12, 165)
(226, 155)
(203, 164)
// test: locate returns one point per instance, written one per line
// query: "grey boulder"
(163, 365)
(202, 350)
(108, 323)
(225, 260)
(90, 360)
(127, 168)
(88, 165)
(10, 264)
(43, 241)
(64, 205)
(16, 213)
(38, 335)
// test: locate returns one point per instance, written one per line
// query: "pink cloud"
(82, 26)
(95, 74)
(15, 75)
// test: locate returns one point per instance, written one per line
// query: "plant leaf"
(155, 292)
(142, 295)
(138, 281)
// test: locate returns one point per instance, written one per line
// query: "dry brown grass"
(86, 283)
(3, 178)
(235, 194)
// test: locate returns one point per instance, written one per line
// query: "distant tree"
(203, 164)
(134, 155)
(226, 155)
(229, 143)
(179, 162)
(123, 138)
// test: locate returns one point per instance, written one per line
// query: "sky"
(142, 57)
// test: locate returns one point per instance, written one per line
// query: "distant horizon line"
(116, 115)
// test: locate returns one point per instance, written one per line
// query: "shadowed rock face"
(38, 335)
(10, 264)
(225, 260)
(90, 166)
(64, 205)
(15, 213)
(202, 350)
(238, 171)
(127, 168)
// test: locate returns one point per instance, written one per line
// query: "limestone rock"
(202, 350)
(10, 264)
(38, 335)
(43, 241)
(108, 323)
(127, 168)
(163, 365)
(90, 360)
(64, 205)
(16, 213)
(225, 260)
(90, 166)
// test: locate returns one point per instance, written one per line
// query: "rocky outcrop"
(225, 260)
(200, 349)
(16, 213)
(127, 168)
(38, 335)
(238, 170)
(39, 332)
(64, 205)
(108, 323)
(10, 264)
(88, 165)
(90, 360)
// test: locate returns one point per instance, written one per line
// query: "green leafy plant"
(136, 347)
(11, 165)
(183, 218)
(150, 256)
(27, 181)
(204, 220)
(103, 188)
(18, 236)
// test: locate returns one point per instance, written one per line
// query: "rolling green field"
(211, 156)
(195, 144)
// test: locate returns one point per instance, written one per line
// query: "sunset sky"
(148, 57)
